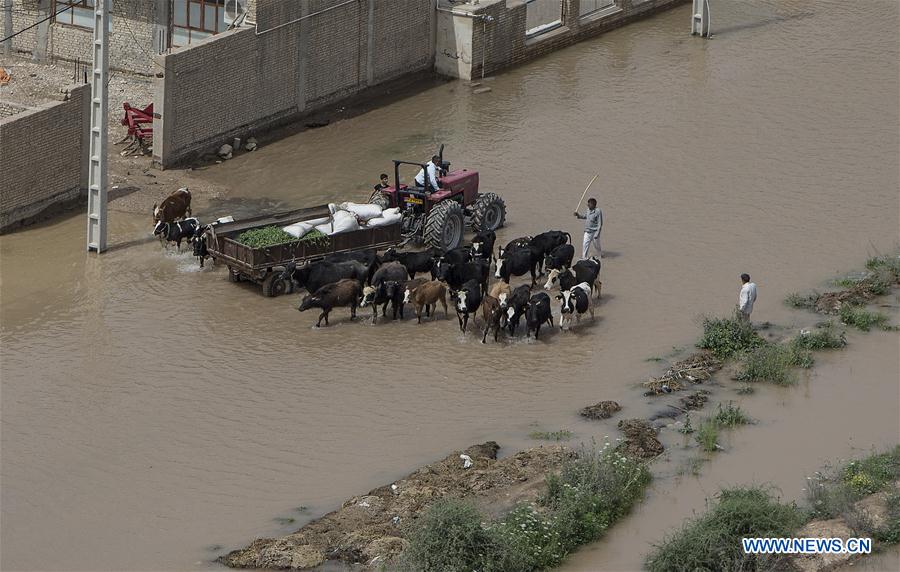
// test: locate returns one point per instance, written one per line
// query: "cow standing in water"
(175, 206)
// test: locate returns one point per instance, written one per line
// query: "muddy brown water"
(154, 415)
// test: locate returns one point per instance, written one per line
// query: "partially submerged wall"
(300, 57)
(44, 153)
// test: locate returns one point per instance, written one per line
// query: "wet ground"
(155, 415)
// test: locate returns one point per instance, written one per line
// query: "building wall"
(249, 80)
(50, 136)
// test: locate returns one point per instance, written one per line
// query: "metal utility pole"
(7, 26)
(700, 18)
(97, 164)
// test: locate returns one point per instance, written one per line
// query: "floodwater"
(155, 415)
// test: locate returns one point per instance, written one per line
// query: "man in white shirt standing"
(432, 168)
(593, 224)
(747, 297)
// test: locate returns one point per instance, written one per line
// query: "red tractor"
(437, 217)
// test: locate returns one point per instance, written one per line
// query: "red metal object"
(139, 122)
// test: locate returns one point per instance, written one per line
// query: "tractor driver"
(432, 168)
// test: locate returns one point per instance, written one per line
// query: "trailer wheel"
(444, 226)
(488, 212)
(233, 275)
(380, 199)
(273, 285)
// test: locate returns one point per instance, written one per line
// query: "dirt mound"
(695, 400)
(640, 439)
(831, 302)
(602, 410)
(696, 368)
(369, 529)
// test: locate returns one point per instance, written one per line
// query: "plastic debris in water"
(467, 461)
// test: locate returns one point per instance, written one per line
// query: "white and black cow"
(515, 307)
(516, 262)
(544, 243)
(176, 231)
(587, 270)
(467, 301)
(538, 313)
(483, 245)
(455, 275)
(574, 302)
(198, 241)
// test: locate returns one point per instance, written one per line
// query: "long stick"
(585, 191)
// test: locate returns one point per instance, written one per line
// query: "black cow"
(516, 305)
(339, 294)
(483, 244)
(587, 270)
(467, 301)
(414, 262)
(316, 275)
(517, 262)
(390, 271)
(198, 241)
(544, 243)
(176, 231)
(456, 275)
(522, 242)
(575, 302)
(538, 313)
(459, 255)
(560, 257)
(368, 257)
(378, 295)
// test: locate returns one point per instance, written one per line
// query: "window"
(80, 14)
(591, 6)
(193, 20)
(542, 16)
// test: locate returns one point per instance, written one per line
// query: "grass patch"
(774, 363)
(560, 435)
(730, 416)
(890, 533)
(863, 319)
(592, 490)
(888, 265)
(804, 301)
(831, 493)
(708, 435)
(713, 540)
(825, 338)
(726, 337)
(746, 389)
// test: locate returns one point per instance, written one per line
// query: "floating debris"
(694, 369)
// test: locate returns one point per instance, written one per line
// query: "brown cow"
(492, 313)
(346, 292)
(428, 295)
(175, 206)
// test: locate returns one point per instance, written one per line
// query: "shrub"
(890, 265)
(863, 319)
(726, 337)
(532, 539)
(560, 435)
(832, 493)
(708, 435)
(890, 532)
(805, 301)
(713, 540)
(770, 363)
(825, 338)
(730, 416)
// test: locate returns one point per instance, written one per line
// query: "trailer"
(259, 264)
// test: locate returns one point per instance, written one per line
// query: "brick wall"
(25, 13)
(8, 109)
(50, 137)
(249, 80)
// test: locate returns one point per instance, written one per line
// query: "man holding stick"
(593, 224)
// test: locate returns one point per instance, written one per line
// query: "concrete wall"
(249, 80)
(44, 151)
(494, 31)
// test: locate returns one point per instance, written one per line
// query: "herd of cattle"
(363, 278)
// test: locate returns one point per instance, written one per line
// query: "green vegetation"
(888, 265)
(745, 389)
(824, 338)
(730, 416)
(805, 301)
(713, 540)
(592, 490)
(708, 435)
(863, 319)
(560, 435)
(726, 337)
(687, 429)
(774, 363)
(266, 236)
(890, 533)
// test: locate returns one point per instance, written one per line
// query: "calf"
(517, 262)
(560, 257)
(575, 302)
(316, 275)
(405, 291)
(198, 241)
(523, 242)
(390, 271)
(587, 270)
(515, 308)
(492, 314)
(376, 295)
(467, 300)
(458, 274)
(428, 295)
(544, 243)
(483, 245)
(175, 206)
(176, 231)
(538, 313)
(414, 262)
(500, 291)
(342, 293)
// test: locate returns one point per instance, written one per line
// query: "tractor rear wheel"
(488, 212)
(273, 285)
(380, 199)
(444, 226)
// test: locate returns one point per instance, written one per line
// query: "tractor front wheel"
(488, 212)
(444, 226)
